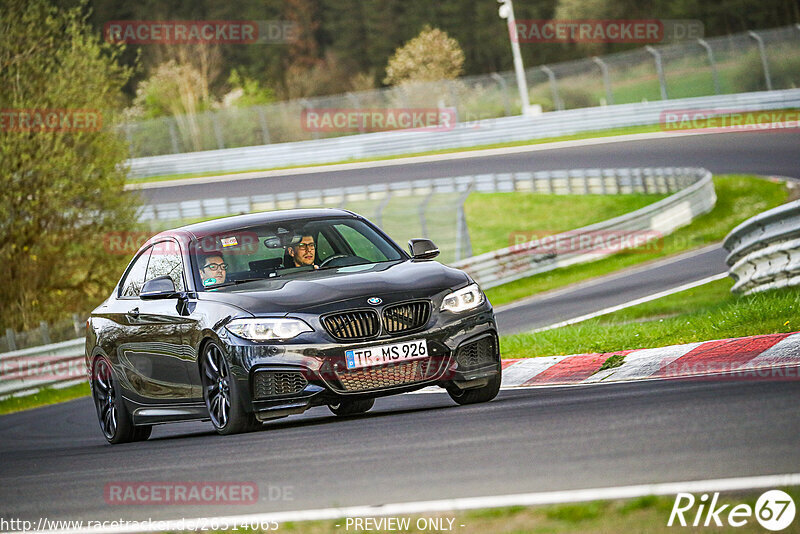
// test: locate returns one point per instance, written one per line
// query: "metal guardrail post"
(262, 119)
(308, 105)
(662, 81)
(606, 80)
(382, 206)
(763, 53)
(462, 231)
(11, 339)
(77, 324)
(423, 219)
(712, 63)
(557, 102)
(217, 130)
(173, 135)
(45, 331)
(504, 87)
(454, 97)
(353, 98)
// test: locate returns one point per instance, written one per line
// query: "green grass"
(716, 314)
(43, 398)
(738, 198)
(494, 218)
(641, 514)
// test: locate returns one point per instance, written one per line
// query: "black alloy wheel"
(221, 394)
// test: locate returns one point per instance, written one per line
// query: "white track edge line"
(471, 503)
(642, 300)
(610, 277)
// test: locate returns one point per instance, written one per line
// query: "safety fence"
(764, 251)
(486, 132)
(740, 63)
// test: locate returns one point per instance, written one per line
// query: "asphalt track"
(413, 447)
(772, 152)
(613, 290)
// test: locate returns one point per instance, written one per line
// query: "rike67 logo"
(774, 510)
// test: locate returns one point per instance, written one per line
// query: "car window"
(166, 261)
(360, 244)
(324, 248)
(134, 279)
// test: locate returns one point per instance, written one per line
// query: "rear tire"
(221, 394)
(474, 396)
(351, 407)
(112, 414)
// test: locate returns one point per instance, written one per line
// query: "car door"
(154, 354)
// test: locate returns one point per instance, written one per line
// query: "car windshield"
(287, 248)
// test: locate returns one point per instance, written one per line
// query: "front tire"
(474, 396)
(351, 407)
(221, 394)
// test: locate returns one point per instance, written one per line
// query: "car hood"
(318, 291)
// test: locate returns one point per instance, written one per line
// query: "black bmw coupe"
(250, 318)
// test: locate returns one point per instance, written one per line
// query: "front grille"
(476, 354)
(387, 375)
(406, 317)
(271, 383)
(359, 324)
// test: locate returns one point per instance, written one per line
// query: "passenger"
(214, 270)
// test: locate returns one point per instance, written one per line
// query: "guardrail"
(626, 231)
(56, 365)
(764, 251)
(485, 132)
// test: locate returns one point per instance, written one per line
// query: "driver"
(214, 270)
(304, 252)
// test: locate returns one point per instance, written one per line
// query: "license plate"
(382, 354)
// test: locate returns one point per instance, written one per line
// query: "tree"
(430, 56)
(62, 191)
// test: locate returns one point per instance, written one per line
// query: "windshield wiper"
(236, 282)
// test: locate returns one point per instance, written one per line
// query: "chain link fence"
(752, 61)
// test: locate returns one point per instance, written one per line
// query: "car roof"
(254, 219)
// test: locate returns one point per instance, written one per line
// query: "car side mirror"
(422, 249)
(161, 287)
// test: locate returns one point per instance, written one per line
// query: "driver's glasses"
(215, 266)
(305, 247)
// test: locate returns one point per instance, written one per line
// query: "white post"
(507, 12)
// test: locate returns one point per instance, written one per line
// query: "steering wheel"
(334, 257)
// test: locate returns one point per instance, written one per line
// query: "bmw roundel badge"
(374, 300)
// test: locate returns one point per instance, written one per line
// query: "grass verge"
(715, 313)
(43, 398)
(494, 219)
(739, 197)
(642, 514)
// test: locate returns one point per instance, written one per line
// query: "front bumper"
(286, 379)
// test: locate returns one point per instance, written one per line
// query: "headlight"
(264, 329)
(463, 299)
